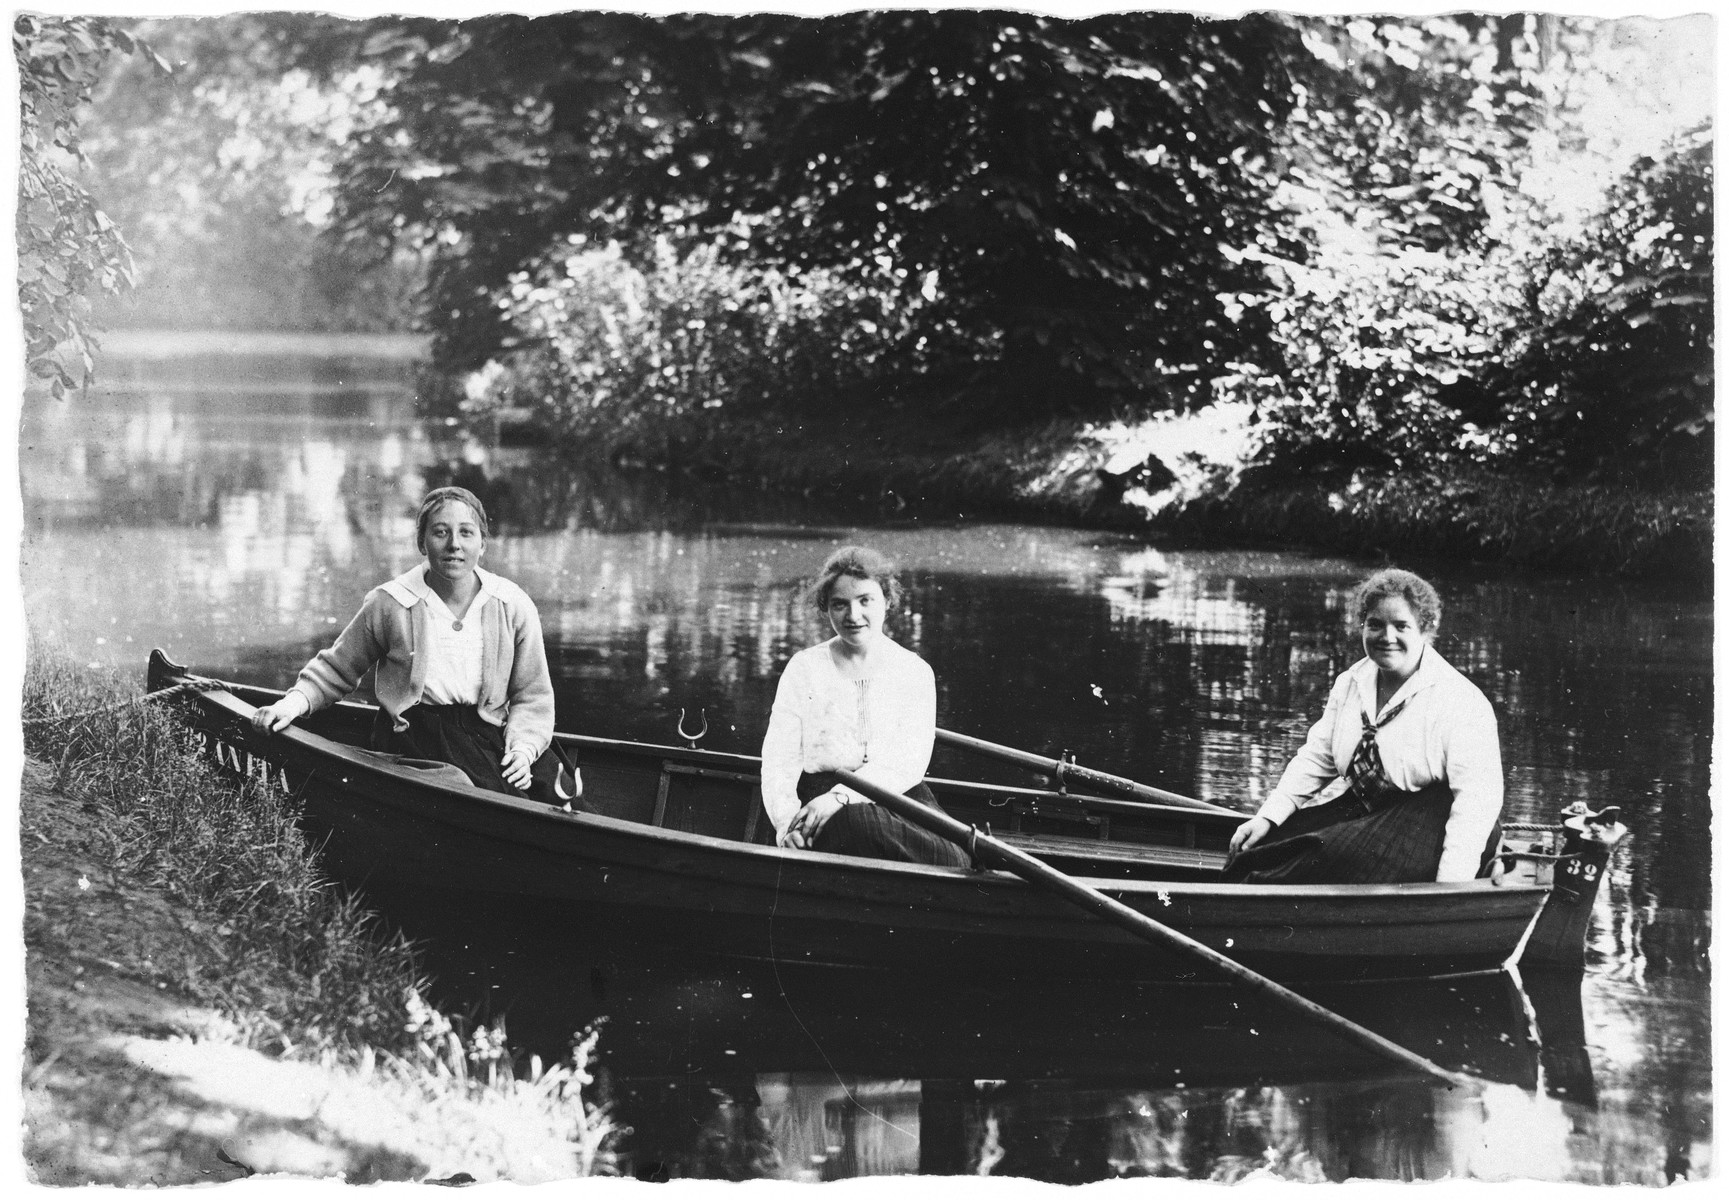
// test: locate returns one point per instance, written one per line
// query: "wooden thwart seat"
(1117, 853)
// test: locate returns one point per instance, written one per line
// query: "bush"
(652, 359)
(1597, 528)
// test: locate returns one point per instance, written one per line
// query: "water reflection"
(236, 517)
(735, 1071)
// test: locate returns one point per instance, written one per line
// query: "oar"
(1061, 770)
(989, 850)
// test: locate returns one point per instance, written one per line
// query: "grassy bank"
(178, 929)
(1184, 478)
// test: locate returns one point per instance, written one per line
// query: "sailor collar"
(1430, 669)
(410, 587)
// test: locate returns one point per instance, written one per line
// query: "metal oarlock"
(1060, 777)
(693, 738)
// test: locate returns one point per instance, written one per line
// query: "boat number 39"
(1577, 874)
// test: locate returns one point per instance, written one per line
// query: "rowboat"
(678, 852)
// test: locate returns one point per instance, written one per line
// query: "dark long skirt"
(871, 831)
(456, 734)
(1348, 841)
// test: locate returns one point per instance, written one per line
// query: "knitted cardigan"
(515, 683)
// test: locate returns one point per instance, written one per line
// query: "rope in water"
(191, 685)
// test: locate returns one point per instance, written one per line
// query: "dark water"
(235, 513)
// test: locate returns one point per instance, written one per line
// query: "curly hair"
(860, 562)
(441, 496)
(1408, 586)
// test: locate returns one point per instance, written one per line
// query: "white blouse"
(457, 650)
(883, 727)
(1445, 732)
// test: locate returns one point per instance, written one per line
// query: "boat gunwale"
(751, 764)
(1439, 896)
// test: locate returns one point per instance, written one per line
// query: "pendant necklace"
(864, 718)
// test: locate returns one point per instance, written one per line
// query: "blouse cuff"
(1278, 808)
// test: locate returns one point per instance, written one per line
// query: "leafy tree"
(1610, 375)
(1057, 193)
(1393, 169)
(1437, 316)
(67, 247)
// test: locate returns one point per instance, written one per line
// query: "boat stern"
(1557, 934)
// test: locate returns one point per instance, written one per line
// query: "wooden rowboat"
(678, 852)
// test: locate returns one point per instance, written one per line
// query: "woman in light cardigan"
(462, 674)
(857, 702)
(1400, 779)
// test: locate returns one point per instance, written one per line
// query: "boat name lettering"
(244, 762)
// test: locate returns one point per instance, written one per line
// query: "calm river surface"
(235, 511)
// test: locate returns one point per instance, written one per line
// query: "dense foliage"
(1394, 161)
(650, 360)
(1050, 201)
(1436, 320)
(68, 248)
(1610, 372)
(644, 233)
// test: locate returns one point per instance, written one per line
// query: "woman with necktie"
(1400, 779)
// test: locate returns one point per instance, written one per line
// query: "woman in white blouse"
(1400, 779)
(857, 702)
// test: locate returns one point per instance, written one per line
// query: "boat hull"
(643, 878)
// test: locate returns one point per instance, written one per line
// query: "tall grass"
(299, 965)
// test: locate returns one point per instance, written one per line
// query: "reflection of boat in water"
(870, 1024)
(1295, 1110)
(819, 1073)
(677, 852)
(724, 1019)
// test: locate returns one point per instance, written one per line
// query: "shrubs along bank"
(1579, 529)
(1440, 353)
(204, 1004)
(1192, 479)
